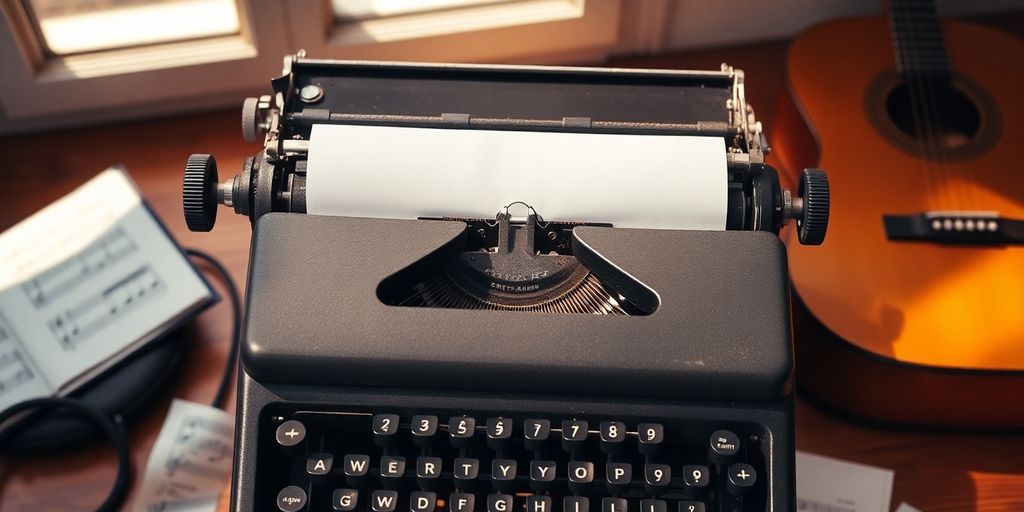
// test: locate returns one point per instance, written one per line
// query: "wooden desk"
(945, 472)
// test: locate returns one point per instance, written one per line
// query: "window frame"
(37, 85)
(43, 92)
(542, 31)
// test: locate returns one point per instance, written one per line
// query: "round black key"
(319, 464)
(385, 429)
(460, 431)
(723, 447)
(651, 436)
(503, 474)
(290, 433)
(542, 475)
(291, 499)
(499, 433)
(613, 436)
(696, 480)
(536, 433)
(574, 435)
(424, 428)
(657, 478)
(619, 475)
(581, 475)
(741, 479)
(690, 506)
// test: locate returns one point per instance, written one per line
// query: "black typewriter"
(510, 360)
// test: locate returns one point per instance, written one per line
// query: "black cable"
(236, 324)
(114, 429)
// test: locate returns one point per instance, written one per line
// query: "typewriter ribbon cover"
(629, 181)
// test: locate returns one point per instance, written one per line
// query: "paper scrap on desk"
(904, 507)
(190, 462)
(824, 484)
(630, 181)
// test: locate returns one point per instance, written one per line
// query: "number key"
(424, 428)
(460, 431)
(691, 506)
(657, 478)
(613, 435)
(574, 435)
(652, 436)
(499, 433)
(385, 429)
(536, 433)
(696, 480)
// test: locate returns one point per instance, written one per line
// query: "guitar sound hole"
(942, 116)
(963, 121)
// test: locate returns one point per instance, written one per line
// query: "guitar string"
(898, 25)
(937, 89)
(932, 102)
(920, 95)
(901, 52)
(917, 92)
(925, 84)
(900, 38)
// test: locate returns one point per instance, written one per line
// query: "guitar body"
(906, 332)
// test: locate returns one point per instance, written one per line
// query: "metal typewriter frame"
(274, 179)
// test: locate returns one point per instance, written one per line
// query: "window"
(69, 26)
(456, 30)
(70, 62)
(355, 10)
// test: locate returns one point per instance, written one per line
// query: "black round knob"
(250, 119)
(723, 447)
(813, 221)
(740, 479)
(199, 192)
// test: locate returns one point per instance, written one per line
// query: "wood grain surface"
(934, 471)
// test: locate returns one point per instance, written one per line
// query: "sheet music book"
(85, 282)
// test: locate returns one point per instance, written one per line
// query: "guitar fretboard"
(917, 40)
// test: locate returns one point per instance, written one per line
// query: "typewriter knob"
(812, 222)
(250, 119)
(199, 192)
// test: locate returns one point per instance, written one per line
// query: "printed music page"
(824, 484)
(190, 462)
(90, 277)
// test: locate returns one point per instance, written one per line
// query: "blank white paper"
(632, 181)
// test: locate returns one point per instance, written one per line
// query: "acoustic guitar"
(912, 311)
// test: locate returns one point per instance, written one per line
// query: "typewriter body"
(509, 362)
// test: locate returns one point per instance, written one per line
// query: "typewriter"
(420, 341)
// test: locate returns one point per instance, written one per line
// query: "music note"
(15, 367)
(97, 311)
(62, 278)
(190, 461)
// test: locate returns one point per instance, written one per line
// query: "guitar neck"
(917, 40)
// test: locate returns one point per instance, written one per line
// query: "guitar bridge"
(955, 227)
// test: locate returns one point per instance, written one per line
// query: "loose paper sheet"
(633, 181)
(89, 277)
(190, 462)
(824, 484)
(904, 507)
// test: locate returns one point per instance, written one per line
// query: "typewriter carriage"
(586, 100)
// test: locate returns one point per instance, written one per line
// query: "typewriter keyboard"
(454, 462)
